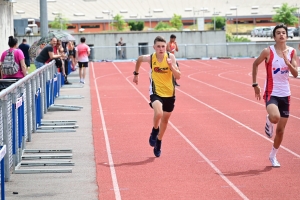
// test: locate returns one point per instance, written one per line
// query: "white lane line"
(210, 163)
(240, 193)
(108, 149)
(256, 102)
(238, 122)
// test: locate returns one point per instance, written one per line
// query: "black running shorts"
(83, 64)
(168, 103)
(283, 104)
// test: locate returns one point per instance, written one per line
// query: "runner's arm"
(264, 55)
(168, 47)
(174, 68)
(143, 58)
(293, 65)
(176, 46)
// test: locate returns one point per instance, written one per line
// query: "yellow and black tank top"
(161, 77)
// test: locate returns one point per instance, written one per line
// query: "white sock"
(273, 152)
(268, 120)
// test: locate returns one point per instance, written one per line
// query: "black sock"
(155, 130)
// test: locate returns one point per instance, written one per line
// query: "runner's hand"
(136, 79)
(286, 60)
(257, 92)
(169, 61)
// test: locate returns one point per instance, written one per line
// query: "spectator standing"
(46, 54)
(19, 59)
(82, 57)
(120, 49)
(71, 54)
(40, 48)
(25, 49)
(172, 47)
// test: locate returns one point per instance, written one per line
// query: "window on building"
(90, 26)
(187, 23)
(264, 21)
(71, 27)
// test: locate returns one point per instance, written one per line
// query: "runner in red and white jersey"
(277, 82)
(279, 61)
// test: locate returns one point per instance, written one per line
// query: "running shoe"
(274, 161)
(153, 137)
(157, 147)
(269, 128)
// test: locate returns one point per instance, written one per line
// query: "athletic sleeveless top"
(277, 82)
(172, 47)
(161, 77)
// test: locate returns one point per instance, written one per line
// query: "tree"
(119, 23)
(59, 22)
(176, 22)
(136, 26)
(220, 22)
(285, 14)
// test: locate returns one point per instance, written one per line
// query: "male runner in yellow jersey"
(162, 88)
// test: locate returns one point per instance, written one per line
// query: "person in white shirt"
(280, 60)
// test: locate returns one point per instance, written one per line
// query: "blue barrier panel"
(2, 154)
(21, 121)
(59, 77)
(14, 121)
(55, 86)
(62, 80)
(69, 67)
(48, 94)
(38, 107)
(51, 92)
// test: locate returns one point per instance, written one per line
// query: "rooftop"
(104, 10)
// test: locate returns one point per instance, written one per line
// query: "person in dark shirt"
(25, 49)
(46, 55)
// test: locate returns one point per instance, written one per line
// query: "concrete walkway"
(81, 183)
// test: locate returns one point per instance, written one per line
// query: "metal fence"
(23, 103)
(186, 51)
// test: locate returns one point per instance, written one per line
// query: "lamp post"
(196, 11)
(214, 20)
(108, 14)
(60, 22)
(112, 19)
(236, 19)
(150, 17)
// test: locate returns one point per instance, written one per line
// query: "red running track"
(214, 146)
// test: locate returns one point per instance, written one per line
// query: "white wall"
(104, 43)
(6, 24)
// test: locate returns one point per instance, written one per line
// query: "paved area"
(81, 183)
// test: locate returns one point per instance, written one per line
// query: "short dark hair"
(12, 41)
(24, 40)
(280, 26)
(159, 39)
(173, 36)
(82, 39)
